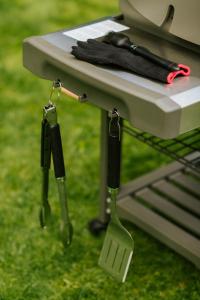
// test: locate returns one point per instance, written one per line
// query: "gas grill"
(166, 202)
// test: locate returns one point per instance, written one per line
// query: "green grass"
(33, 264)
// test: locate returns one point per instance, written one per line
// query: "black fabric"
(101, 53)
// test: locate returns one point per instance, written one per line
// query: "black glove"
(100, 53)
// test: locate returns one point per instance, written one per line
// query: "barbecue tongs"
(51, 143)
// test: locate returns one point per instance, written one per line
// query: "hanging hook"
(114, 125)
(51, 95)
(56, 85)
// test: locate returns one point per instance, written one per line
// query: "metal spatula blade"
(117, 251)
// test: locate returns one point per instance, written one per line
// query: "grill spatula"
(117, 251)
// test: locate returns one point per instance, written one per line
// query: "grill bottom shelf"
(166, 204)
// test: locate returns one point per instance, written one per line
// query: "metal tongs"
(51, 143)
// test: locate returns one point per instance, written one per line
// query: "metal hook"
(51, 95)
(114, 125)
(115, 114)
(57, 85)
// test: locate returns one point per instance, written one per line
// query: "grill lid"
(179, 17)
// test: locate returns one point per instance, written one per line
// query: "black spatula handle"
(57, 151)
(114, 154)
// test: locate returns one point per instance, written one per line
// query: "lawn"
(33, 264)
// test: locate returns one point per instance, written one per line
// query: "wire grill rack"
(178, 148)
